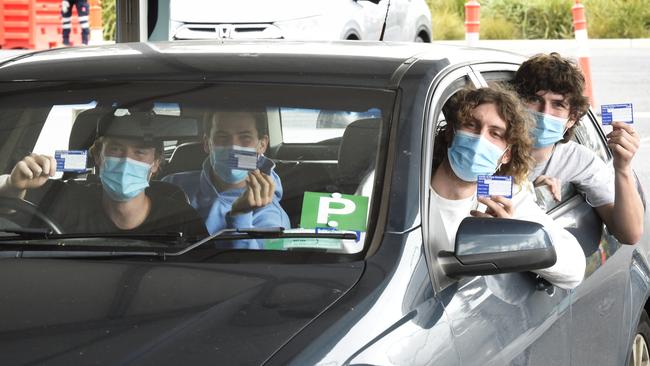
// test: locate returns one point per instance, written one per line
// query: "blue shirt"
(214, 206)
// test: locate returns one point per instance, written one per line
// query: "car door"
(506, 319)
(598, 309)
(598, 304)
(396, 27)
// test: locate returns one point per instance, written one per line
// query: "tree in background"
(542, 19)
(108, 19)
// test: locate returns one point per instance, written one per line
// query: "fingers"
(22, 170)
(556, 190)
(617, 125)
(479, 214)
(625, 134)
(553, 184)
(35, 168)
(263, 188)
(624, 143)
(256, 188)
(541, 180)
(498, 206)
(505, 203)
(271, 187)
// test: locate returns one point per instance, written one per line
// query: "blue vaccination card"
(494, 185)
(616, 112)
(243, 158)
(71, 160)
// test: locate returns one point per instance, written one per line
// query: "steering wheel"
(29, 209)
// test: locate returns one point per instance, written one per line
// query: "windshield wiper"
(27, 233)
(260, 233)
(99, 251)
(46, 233)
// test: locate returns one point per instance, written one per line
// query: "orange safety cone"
(472, 22)
(95, 22)
(580, 29)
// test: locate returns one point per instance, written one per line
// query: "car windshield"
(186, 160)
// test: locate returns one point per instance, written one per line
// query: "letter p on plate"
(334, 210)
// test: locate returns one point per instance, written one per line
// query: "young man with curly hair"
(552, 88)
(487, 132)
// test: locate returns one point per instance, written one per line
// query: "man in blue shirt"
(234, 198)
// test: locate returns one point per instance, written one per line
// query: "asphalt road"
(623, 76)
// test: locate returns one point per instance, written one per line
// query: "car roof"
(346, 63)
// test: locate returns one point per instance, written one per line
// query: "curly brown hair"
(557, 74)
(510, 109)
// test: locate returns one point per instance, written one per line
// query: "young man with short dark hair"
(227, 197)
(552, 88)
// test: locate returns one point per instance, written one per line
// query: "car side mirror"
(486, 246)
(372, 1)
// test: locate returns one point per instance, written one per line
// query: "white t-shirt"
(567, 272)
(574, 163)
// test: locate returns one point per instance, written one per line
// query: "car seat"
(187, 156)
(356, 160)
(357, 153)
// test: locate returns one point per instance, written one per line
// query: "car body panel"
(151, 313)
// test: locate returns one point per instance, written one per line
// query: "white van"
(407, 20)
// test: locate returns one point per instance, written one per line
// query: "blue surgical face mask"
(548, 129)
(471, 155)
(220, 159)
(124, 178)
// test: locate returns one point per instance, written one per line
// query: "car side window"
(586, 133)
(545, 198)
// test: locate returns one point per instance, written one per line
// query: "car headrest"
(187, 156)
(84, 129)
(358, 147)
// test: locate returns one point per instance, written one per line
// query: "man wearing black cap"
(120, 202)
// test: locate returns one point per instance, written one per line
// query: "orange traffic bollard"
(580, 28)
(95, 22)
(472, 22)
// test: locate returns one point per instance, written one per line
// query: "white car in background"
(407, 20)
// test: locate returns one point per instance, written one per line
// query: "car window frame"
(443, 87)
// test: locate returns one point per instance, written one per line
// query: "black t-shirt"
(77, 208)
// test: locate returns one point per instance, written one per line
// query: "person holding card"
(552, 88)
(487, 133)
(237, 187)
(120, 201)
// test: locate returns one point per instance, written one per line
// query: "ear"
(206, 144)
(505, 159)
(263, 145)
(154, 168)
(570, 123)
(97, 157)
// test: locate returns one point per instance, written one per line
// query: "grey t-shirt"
(573, 163)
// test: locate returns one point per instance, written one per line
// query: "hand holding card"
(617, 112)
(624, 142)
(243, 158)
(71, 160)
(495, 193)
